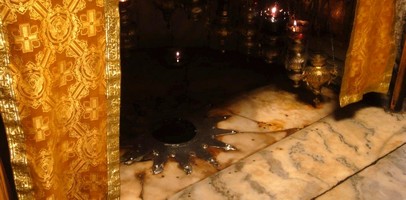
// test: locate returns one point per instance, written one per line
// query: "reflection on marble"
(384, 180)
(310, 161)
(271, 109)
(262, 117)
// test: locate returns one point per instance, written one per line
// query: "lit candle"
(177, 56)
(297, 29)
(294, 25)
(273, 11)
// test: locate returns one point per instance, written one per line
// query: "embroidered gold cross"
(63, 73)
(91, 109)
(27, 39)
(91, 23)
(40, 126)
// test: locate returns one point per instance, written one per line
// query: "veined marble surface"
(271, 109)
(262, 117)
(309, 162)
(384, 180)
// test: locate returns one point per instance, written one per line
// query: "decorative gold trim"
(113, 76)
(12, 123)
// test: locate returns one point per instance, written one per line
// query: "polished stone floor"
(286, 147)
(342, 156)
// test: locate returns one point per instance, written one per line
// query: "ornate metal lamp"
(295, 62)
(318, 74)
(296, 55)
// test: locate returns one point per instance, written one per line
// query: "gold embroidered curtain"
(60, 96)
(371, 54)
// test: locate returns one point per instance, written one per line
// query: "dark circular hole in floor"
(174, 131)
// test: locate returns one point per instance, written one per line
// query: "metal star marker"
(149, 147)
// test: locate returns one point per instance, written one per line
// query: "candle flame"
(294, 28)
(273, 10)
(177, 56)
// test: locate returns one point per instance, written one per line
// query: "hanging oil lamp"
(273, 17)
(248, 29)
(297, 31)
(273, 20)
(221, 27)
(296, 55)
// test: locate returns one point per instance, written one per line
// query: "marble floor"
(342, 156)
(261, 117)
(286, 148)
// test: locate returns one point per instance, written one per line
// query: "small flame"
(294, 28)
(177, 56)
(273, 10)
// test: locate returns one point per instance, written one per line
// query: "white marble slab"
(271, 109)
(261, 117)
(309, 162)
(384, 180)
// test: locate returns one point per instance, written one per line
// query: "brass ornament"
(317, 75)
(295, 62)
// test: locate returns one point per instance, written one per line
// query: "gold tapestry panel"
(61, 67)
(371, 55)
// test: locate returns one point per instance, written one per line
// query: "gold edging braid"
(113, 76)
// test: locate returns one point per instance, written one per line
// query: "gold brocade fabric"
(60, 96)
(371, 54)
